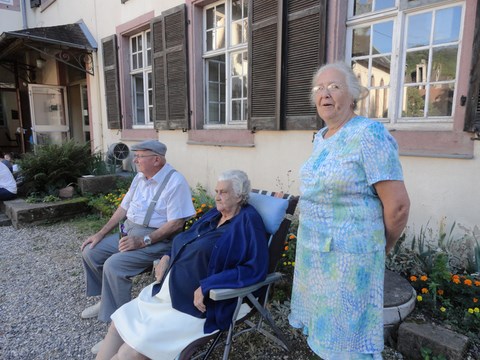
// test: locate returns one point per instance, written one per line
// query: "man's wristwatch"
(147, 240)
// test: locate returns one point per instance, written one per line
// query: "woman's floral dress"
(337, 294)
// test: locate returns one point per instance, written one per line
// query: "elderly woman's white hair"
(240, 183)
(353, 85)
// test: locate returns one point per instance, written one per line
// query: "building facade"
(226, 84)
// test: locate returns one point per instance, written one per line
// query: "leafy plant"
(53, 166)
(106, 204)
(202, 202)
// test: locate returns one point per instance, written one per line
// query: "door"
(50, 123)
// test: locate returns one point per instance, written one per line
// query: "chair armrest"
(223, 294)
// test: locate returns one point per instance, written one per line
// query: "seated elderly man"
(8, 186)
(155, 207)
(226, 248)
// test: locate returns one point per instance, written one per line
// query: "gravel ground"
(42, 293)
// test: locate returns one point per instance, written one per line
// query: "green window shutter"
(304, 52)
(112, 84)
(264, 73)
(472, 115)
(170, 69)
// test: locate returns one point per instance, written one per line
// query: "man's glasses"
(142, 156)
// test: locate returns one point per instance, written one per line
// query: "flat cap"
(152, 145)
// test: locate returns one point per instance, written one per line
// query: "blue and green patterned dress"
(337, 296)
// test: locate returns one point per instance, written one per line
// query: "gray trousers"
(108, 271)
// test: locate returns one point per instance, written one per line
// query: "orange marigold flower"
(475, 300)
(440, 292)
(204, 205)
(456, 280)
(455, 277)
(477, 283)
(291, 236)
(424, 278)
(467, 282)
(286, 248)
(424, 291)
(413, 278)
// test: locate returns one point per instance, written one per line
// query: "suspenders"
(149, 213)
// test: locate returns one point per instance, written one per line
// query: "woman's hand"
(161, 267)
(198, 300)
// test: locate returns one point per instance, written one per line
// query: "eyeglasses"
(331, 88)
(142, 156)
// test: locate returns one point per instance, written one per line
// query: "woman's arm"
(161, 267)
(396, 205)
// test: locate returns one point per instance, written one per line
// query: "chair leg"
(212, 345)
(266, 315)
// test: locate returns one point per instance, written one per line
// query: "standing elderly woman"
(353, 208)
(227, 247)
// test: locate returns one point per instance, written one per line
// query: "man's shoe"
(91, 311)
(96, 347)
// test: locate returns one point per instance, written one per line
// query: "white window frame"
(228, 51)
(145, 54)
(399, 15)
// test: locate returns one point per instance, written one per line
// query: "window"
(225, 57)
(141, 78)
(407, 59)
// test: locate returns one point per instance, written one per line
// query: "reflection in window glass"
(416, 66)
(444, 63)
(419, 28)
(361, 41)
(384, 4)
(440, 100)
(382, 35)
(362, 7)
(216, 90)
(447, 25)
(413, 101)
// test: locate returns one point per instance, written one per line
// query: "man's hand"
(198, 300)
(128, 243)
(92, 240)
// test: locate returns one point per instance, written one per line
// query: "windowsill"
(219, 137)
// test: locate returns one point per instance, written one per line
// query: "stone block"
(23, 214)
(66, 192)
(97, 184)
(412, 337)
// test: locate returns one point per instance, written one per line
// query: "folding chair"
(277, 215)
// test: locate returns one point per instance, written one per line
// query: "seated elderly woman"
(226, 248)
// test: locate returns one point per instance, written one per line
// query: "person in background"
(7, 159)
(226, 248)
(353, 208)
(8, 186)
(156, 206)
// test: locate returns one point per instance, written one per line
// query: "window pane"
(213, 113)
(236, 110)
(447, 25)
(381, 69)
(360, 68)
(245, 31)
(213, 92)
(237, 33)
(444, 63)
(140, 61)
(440, 100)
(236, 88)
(134, 62)
(361, 41)
(209, 39)
(236, 10)
(213, 73)
(139, 102)
(134, 44)
(416, 66)
(382, 37)
(362, 7)
(245, 86)
(220, 15)
(414, 101)
(378, 103)
(209, 21)
(419, 27)
(237, 65)
(384, 4)
(139, 42)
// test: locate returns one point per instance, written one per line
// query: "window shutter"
(472, 115)
(304, 53)
(170, 69)
(112, 85)
(264, 75)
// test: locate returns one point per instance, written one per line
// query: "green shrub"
(106, 204)
(53, 167)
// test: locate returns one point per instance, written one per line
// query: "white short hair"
(240, 183)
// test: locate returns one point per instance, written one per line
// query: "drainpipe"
(24, 15)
